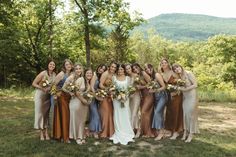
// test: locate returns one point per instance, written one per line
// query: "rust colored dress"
(62, 115)
(174, 111)
(147, 104)
(106, 112)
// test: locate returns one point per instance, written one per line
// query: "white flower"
(44, 84)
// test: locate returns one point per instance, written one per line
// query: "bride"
(122, 116)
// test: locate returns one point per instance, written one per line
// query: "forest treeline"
(93, 32)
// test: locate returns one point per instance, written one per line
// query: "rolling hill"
(188, 27)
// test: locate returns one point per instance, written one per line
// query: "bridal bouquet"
(121, 95)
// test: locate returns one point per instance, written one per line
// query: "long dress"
(42, 105)
(78, 113)
(122, 118)
(174, 111)
(58, 112)
(134, 104)
(190, 108)
(94, 117)
(161, 99)
(106, 112)
(147, 104)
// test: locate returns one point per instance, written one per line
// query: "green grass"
(18, 138)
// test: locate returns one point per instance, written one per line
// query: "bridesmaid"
(61, 109)
(146, 102)
(190, 108)
(174, 110)
(135, 100)
(106, 108)
(161, 98)
(42, 83)
(94, 117)
(78, 105)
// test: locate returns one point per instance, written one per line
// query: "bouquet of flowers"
(88, 95)
(45, 83)
(121, 95)
(139, 81)
(180, 82)
(175, 88)
(71, 87)
(131, 90)
(101, 93)
(153, 85)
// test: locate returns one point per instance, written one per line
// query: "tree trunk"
(50, 32)
(86, 39)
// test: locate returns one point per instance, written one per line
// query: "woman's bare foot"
(174, 136)
(138, 133)
(46, 135)
(160, 135)
(189, 139)
(96, 136)
(184, 136)
(41, 136)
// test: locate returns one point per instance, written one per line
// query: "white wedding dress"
(122, 117)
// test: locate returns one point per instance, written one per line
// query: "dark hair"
(150, 66)
(122, 66)
(48, 61)
(85, 79)
(113, 63)
(98, 67)
(63, 65)
(137, 65)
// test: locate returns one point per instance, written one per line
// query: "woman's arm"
(192, 80)
(103, 79)
(37, 80)
(160, 80)
(93, 81)
(58, 78)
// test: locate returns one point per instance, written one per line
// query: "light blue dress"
(94, 116)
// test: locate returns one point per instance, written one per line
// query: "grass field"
(18, 138)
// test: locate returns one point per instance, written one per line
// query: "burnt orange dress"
(147, 104)
(174, 111)
(106, 112)
(62, 117)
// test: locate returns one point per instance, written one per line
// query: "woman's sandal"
(79, 142)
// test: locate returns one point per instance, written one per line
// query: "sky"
(151, 8)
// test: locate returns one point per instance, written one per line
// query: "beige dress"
(78, 113)
(190, 109)
(135, 100)
(42, 105)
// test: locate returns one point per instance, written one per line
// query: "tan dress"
(190, 108)
(42, 105)
(106, 112)
(174, 111)
(135, 101)
(78, 113)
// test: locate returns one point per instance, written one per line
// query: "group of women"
(147, 112)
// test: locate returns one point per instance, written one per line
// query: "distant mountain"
(187, 27)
